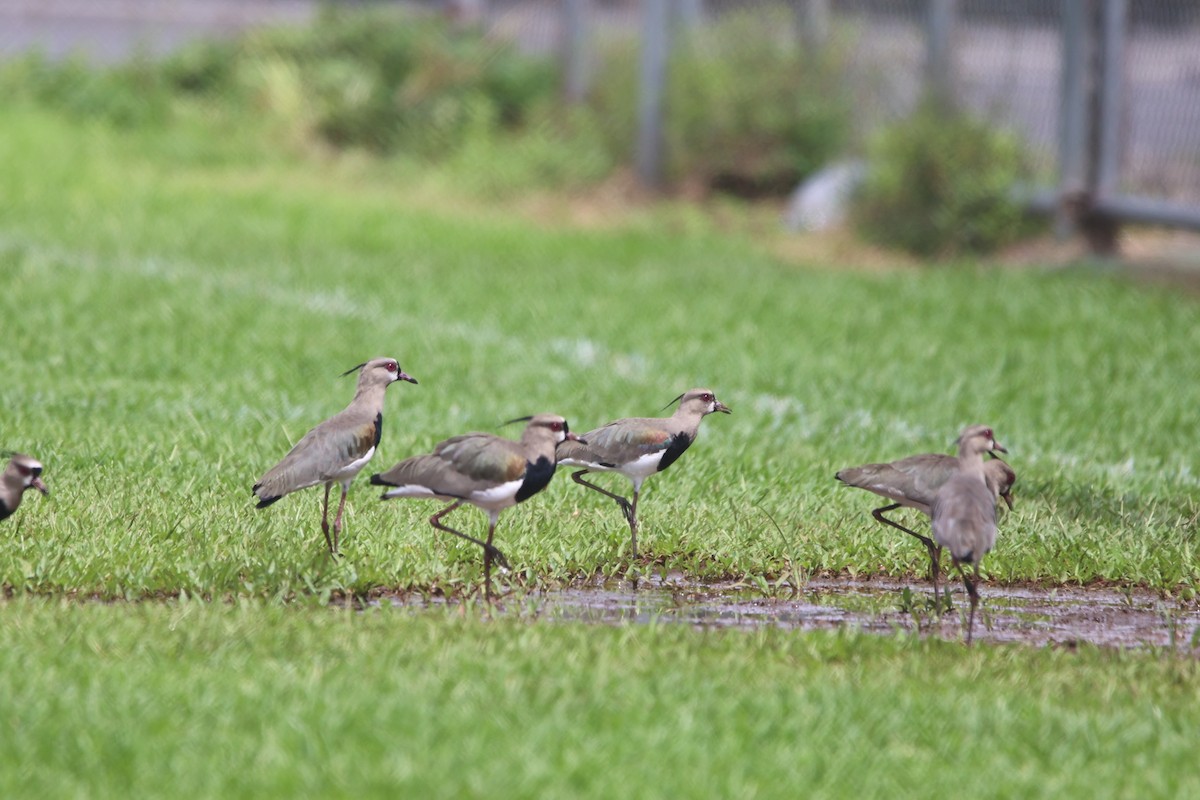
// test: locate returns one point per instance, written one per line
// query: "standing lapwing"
(912, 482)
(964, 510)
(23, 472)
(485, 470)
(639, 447)
(337, 449)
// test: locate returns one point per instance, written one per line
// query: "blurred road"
(110, 30)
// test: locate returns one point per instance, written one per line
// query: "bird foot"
(498, 558)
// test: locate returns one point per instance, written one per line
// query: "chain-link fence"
(1112, 97)
(1138, 87)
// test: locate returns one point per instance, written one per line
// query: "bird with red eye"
(22, 472)
(336, 450)
(638, 447)
(963, 516)
(488, 471)
(912, 482)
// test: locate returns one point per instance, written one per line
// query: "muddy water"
(1032, 615)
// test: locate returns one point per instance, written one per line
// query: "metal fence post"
(690, 13)
(575, 53)
(939, 53)
(1098, 227)
(1108, 170)
(814, 24)
(1072, 121)
(652, 91)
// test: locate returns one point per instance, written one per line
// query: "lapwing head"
(547, 427)
(27, 471)
(380, 371)
(978, 439)
(699, 401)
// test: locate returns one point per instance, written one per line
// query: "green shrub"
(940, 184)
(206, 67)
(130, 94)
(563, 152)
(749, 109)
(381, 79)
(388, 80)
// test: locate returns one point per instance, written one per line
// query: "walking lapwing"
(912, 482)
(489, 472)
(638, 447)
(337, 449)
(964, 510)
(23, 472)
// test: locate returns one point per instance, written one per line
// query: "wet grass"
(178, 305)
(145, 699)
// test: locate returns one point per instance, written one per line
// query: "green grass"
(178, 305)
(253, 700)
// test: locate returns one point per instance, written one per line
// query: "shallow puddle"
(1030, 615)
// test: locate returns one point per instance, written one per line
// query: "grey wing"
(881, 479)
(484, 458)
(618, 442)
(320, 454)
(459, 466)
(925, 474)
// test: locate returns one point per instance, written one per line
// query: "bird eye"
(392, 366)
(24, 470)
(707, 397)
(556, 426)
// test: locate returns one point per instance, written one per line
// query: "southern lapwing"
(23, 472)
(337, 449)
(912, 482)
(487, 471)
(638, 447)
(964, 510)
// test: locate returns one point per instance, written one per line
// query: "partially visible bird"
(913, 481)
(489, 472)
(22, 472)
(638, 447)
(964, 510)
(337, 449)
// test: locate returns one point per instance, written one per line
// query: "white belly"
(347, 473)
(414, 490)
(643, 467)
(498, 497)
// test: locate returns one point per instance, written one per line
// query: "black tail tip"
(266, 501)
(376, 480)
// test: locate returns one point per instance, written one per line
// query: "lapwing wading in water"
(489, 472)
(638, 447)
(912, 482)
(964, 511)
(337, 449)
(22, 472)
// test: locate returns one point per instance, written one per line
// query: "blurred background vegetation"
(754, 113)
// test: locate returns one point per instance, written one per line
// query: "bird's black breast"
(378, 428)
(537, 477)
(674, 450)
(5, 511)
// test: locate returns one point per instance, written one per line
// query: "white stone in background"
(822, 201)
